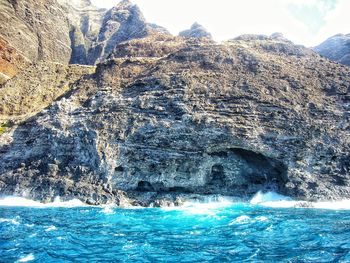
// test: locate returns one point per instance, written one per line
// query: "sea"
(268, 228)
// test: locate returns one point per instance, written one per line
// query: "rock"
(36, 88)
(154, 46)
(38, 29)
(122, 23)
(336, 48)
(85, 22)
(11, 61)
(197, 31)
(189, 117)
(65, 31)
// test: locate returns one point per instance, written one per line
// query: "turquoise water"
(219, 232)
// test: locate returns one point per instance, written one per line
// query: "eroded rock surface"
(336, 48)
(196, 118)
(36, 88)
(65, 32)
(11, 61)
(38, 29)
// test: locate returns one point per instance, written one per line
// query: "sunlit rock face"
(192, 117)
(31, 31)
(85, 22)
(38, 29)
(66, 32)
(336, 48)
(121, 23)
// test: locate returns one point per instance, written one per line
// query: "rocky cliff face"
(122, 23)
(65, 31)
(191, 117)
(11, 61)
(85, 23)
(38, 29)
(336, 48)
(36, 88)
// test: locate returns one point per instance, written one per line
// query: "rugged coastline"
(162, 117)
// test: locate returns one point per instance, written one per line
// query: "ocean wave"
(23, 202)
(203, 205)
(11, 221)
(27, 258)
(274, 200)
(50, 228)
(108, 209)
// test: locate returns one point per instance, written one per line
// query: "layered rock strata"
(193, 118)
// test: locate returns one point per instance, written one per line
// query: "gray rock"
(229, 119)
(336, 48)
(197, 31)
(85, 22)
(38, 29)
(122, 23)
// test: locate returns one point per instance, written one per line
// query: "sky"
(306, 22)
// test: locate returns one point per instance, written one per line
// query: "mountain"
(167, 117)
(121, 23)
(85, 21)
(336, 48)
(37, 29)
(64, 31)
(149, 119)
(196, 30)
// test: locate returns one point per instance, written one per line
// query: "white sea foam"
(240, 220)
(244, 219)
(206, 205)
(108, 209)
(11, 221)
(274, 200)
(261, 218)
(50, 228)
(23, 202)
(260, 197)
(27, 258)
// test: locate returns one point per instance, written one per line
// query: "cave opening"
(240, 170)
(144, 186)
(217, 176)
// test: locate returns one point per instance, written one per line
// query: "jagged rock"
(38, 29)
(196, 30)
(36, 88)
(65, 31)
(276, 43)
(198, 118)
(159, 29)
(336, 48)
(122, 23)
(85, 22)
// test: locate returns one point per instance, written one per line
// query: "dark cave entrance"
(245, 170)
(144, 186)
(217, 176)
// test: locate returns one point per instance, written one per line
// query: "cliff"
(336, 48)
(65, 32)
(191, 117)
(38, 29)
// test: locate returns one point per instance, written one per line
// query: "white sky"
(307, 22)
